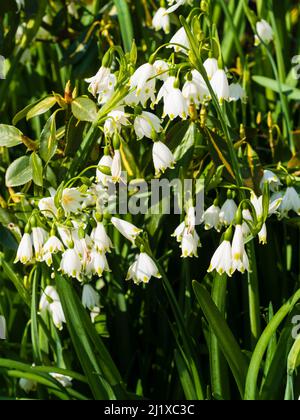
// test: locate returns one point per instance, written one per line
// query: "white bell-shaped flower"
(220, 85)
(27, 385)
(143, 269)
(228, 212)
(128, 230)
(39, 238)
(211, 67)
(25, 250)
(180, 41)
(161, 20)
(90, 298)
(175, 4)
(98, 81)
(222, 260)
(47, 207)
(163, 158)
(175, 105)
(264, 31)
(272, 179)
(237, 93)
(71, 200)
(161, 69)
(71, 264)
(179, 231)
(147, 125)
(211, 218)
(189, 244)
(106, 161)
(50, 302)
(101, 239)
(116, 167)
(290, 202)
(115, 120)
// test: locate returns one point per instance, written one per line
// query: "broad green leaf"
(272, 84)
(84, 109)
(10, 136)
(37, 169)
(125, 23)
(185, 378)
(17, 281)
(48, 142)
(19, 172)
(226, 340)
(102, 375)
(41, 107)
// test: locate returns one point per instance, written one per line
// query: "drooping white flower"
(228, 212)
(247, 217)
(50, 302)
(52, 246)
(65, 381)
(98, 264)
(95, 312)
(39, 238)
(128, 230)
(48, 207)
(90, 298)
(190, 243)
(98, 81)
(211, 67)
(2, 328)
(25, 250)
(161, 20)
(272, 179)
(101, 239)
(190, 92)
(238, 246)
(163, 158)
(115, 120)
(116, 167)
(290, 202)
(222, 260)
(27, 385)
(220, 85)
(108, 90)
(212, 218)
(147, 125)
(175, 4)
(264, 31)
(180, 41)
(71, 264)
(143, 84)
(165, 89)
(105, 161)
(179, 231)
(237, 93)
(143, 269)
(71, 200)
(161, 69)
(191, 219)
(175, 104)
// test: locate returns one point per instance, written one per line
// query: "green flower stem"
(218, 364)
(253, 294)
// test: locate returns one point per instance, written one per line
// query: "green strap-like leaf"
(227, 342)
